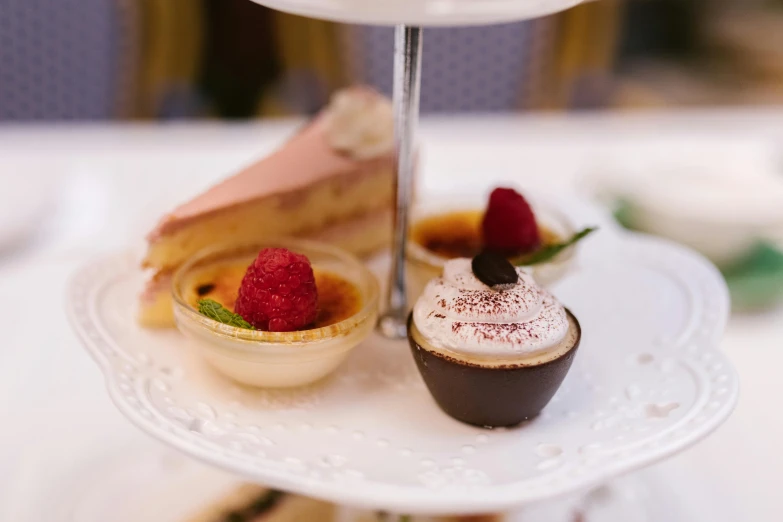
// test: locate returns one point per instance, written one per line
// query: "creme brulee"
(458, 234)
(338, 299)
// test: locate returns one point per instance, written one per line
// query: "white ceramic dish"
(277, 359)
(648, 382)
(421, 12)
(722, 211)
(146, 482)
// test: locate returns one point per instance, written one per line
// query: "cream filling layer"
(460, 315)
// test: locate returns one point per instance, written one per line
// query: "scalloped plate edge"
(423, 501)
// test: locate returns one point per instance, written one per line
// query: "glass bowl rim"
(418, 254)
(258, 338)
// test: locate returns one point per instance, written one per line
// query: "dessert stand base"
(648, 382)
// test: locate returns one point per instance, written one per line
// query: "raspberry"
(509, 225)
(278, 292)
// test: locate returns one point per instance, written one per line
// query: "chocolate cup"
(491, 397)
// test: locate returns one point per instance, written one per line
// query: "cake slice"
(332, 181)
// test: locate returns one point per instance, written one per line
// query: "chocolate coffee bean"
(494, 270)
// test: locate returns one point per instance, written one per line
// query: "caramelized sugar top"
(458, 234)
(338, 298)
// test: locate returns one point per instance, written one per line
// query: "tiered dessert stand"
(648, 381)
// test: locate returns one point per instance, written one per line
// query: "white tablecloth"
(110, 183)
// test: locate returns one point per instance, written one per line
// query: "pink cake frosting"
(306, 159)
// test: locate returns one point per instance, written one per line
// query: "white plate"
(146, 482)
(421, 12)
(647, 382)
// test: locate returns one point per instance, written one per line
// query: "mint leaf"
(548, 252)
(219, 313)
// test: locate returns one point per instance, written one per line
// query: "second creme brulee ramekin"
(277, 359)
(423, 265)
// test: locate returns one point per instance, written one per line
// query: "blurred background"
(149, 59)
(669, 112)
(229, 60)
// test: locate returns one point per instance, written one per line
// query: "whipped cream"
(459, 313)
(360, 123)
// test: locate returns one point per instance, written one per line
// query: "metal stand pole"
(407, 85)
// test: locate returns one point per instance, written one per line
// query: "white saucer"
(421, 12)
(648, 381)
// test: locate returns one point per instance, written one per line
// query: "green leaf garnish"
(548, 252)
(219, 313)
(624, 213)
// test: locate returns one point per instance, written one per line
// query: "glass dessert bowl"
(347, 312)
(447, 231)
(492, 352)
